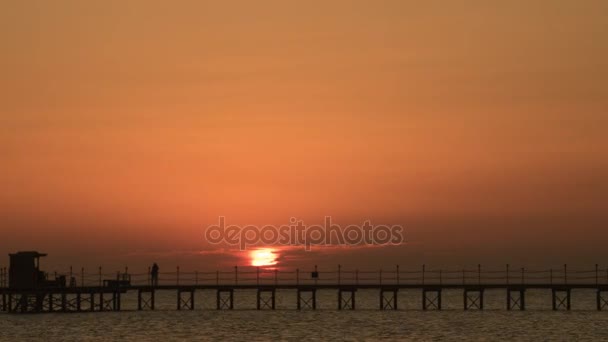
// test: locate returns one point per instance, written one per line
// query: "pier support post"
(108, 304)
(224, 302)
(4, 302)
(266, 302)
(78, 300)
(71, 301)
(346, 299)
(561, 298)
(473, 298)
(39, 302)
(92, 301)
(116, 301)
(185, 299)
(64, 302)
(145, 303)
(388, 299)
(23, 302)
(51, 302)
(310, 303)
(602, 301)
(516, 301)
(430, 301)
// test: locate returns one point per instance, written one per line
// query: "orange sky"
(126, 127)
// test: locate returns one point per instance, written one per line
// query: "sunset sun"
(263, 257)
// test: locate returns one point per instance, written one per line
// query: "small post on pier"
(100, 280)
(423, 270)
(397, 274)
(597, 275)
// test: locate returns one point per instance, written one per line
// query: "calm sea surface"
(327, 323)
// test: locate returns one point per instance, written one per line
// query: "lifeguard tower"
(24, 271)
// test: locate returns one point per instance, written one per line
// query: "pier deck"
(97, 293)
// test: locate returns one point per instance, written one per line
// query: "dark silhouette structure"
(29, 291)
(24, 270)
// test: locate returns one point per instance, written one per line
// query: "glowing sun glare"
(263, 257)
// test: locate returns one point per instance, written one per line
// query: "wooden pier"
(98, 292)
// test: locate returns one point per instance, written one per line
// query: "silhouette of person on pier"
(154, 274)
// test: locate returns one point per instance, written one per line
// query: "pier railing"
(334, 276)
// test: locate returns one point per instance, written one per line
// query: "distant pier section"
(25, 288)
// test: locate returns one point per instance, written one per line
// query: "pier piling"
(346, 299)
(388, 299)
(223, 302)
(431, 299)
(307, 303)
(266, 302)
(602, 300)
(561, 298)
(517, 301)
(473, 298)
(185, 299)
(145, 299)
